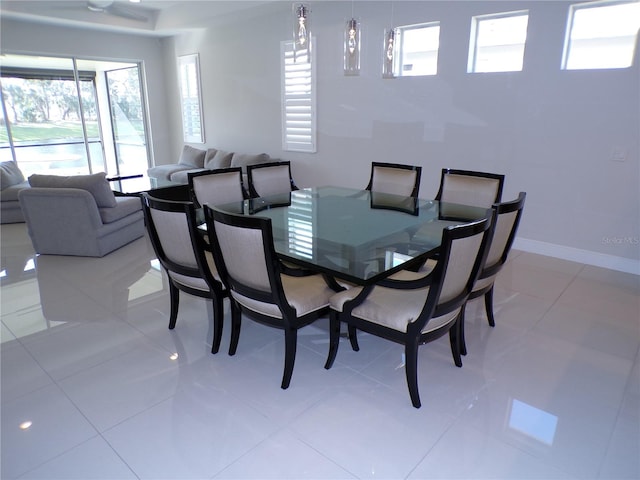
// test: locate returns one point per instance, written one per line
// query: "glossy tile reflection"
(552, 392)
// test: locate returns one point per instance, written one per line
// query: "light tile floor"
(553, 391)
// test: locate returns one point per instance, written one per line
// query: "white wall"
(550, 131)
(31, 39)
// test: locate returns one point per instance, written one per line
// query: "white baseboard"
(587, 257)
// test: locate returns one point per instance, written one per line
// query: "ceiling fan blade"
(124, 12)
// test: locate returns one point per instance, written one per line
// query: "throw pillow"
(95, 184)
(10, 174)
(243, 159)
(193, 157)
(221, 159)
(211, 152)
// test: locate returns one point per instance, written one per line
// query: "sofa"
(79, 215)
(11, 182)
(196, 160)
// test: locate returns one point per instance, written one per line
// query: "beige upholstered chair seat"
(305, 294)
(392, 308)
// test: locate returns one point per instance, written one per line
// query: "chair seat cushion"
(182, 176)
(10, 194)
(305, 294)
(124, 206)
(392, 308)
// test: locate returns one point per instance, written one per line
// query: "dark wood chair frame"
(416, 168)
(470, 173)
(190, 176)
(489, 270)
(290, 321)
(253, 193)
(414, 337)
(217, 291)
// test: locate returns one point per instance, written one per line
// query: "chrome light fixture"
(301, 32)
(388, 58)
(352, 48)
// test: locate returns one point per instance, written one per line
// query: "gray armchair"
(79, 215)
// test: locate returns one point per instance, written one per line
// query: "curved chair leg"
(488, 305)
(461, 339)
(454, 340)
(353, 338)
(290, 341)
(174, 295)
(236, 323)
(411, 371)
(334, 338)
(218, 321)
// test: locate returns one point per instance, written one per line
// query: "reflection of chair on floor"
(181, 250)
(414, 312)
(260, 285)
(80, 289)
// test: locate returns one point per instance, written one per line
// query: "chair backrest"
(395, 178)
(270, 178)
(178, 244)
(466, 187)
(215, 187)
(507, 220)
(244, 252)
(462, 253)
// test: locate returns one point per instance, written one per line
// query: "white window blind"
(298, 99)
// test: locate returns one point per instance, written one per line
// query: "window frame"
(400, 47)
(567, 47)
(472, 63)
(192, 124)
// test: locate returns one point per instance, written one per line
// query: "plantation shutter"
(298, 99)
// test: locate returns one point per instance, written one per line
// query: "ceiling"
(147, 17)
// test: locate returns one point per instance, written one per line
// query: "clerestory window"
(601, 35)
(497, 42)
(418, 49)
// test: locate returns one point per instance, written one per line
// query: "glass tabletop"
(357, 235)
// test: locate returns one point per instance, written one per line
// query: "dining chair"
(214, 187)
(466, 187)
(270, 178)
(182, 252)
(260, 285)
(416, 311)
(507, 216)
(395, 178)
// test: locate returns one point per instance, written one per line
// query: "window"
(418, 49)
(497, 42)
(70, 116)
(601, 35)
(298, 99)
(189, 71)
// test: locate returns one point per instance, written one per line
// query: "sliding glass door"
(68, 116)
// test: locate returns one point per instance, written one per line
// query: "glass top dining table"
(355, 235)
